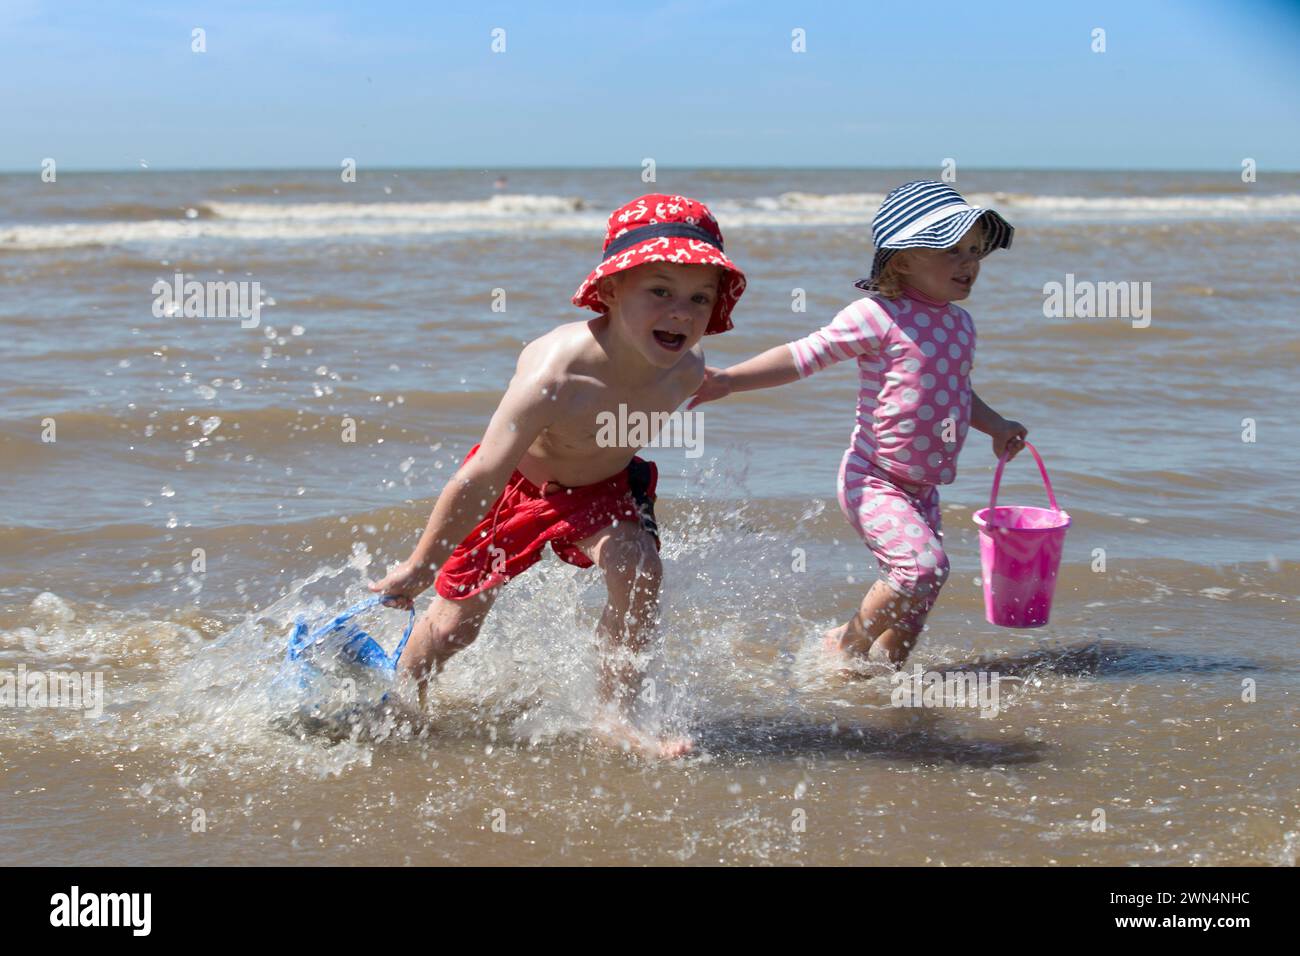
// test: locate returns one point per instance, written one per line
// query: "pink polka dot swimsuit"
(914, 358)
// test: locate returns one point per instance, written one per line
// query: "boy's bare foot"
(628, 739)
(673, 747)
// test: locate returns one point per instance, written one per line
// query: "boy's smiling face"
(945, 274)
(665, 307)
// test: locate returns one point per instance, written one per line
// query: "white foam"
(116, 233)
(534, 215)
(1189, 207)
(825, 209)
(498, 207)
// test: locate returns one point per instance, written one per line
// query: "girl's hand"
(716, 385)
(1009, 439)
(403, 584)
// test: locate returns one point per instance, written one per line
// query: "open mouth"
(964, 281)
(672, 341)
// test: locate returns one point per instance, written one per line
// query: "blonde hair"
(889, 283)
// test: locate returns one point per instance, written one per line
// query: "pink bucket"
(1020, 553)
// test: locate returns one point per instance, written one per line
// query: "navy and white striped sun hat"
(930, 215)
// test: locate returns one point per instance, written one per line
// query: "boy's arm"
(1008, 436)
(526, 408)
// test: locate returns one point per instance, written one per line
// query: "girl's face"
(945, 274)
(664, 307)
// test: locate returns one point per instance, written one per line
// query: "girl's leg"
(903, 529)
(878, 623)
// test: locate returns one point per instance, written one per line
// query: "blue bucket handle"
(303, 637)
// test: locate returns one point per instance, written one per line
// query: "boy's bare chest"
(591, 408)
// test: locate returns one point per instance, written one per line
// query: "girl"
(914, 350)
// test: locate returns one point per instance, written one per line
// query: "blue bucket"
(343, 639)
(338, 647)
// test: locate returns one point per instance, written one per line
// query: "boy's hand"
(1009, 439)
(403, 584)
(716, 385)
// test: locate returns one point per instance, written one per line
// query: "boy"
(664, 283)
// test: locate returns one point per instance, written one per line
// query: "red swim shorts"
(510, 538)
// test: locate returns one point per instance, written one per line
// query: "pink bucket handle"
(997, 480)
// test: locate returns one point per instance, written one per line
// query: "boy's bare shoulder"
(556, 352)
(554, 361)
(690, 370)
(566, 360)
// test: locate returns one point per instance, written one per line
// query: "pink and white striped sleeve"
(854, 332)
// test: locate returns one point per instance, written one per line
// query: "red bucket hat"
(658, 228)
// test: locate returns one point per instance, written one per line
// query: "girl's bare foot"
(846, 663)
(833, 640)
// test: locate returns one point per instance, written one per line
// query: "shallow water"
(175, 434)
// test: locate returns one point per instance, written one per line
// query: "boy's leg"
(446, 628)
(627, 556)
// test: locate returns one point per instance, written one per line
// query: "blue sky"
(1191, 85)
